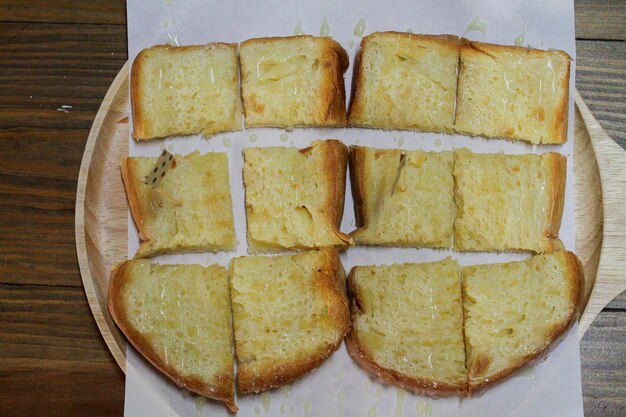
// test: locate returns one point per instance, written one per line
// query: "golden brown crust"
(357, 180)
(559, 128)
(336, 162)
(354, 108)
(136, 81)
(575, 278)
(365, 359)
(486, 48)
(129, 174)
(332, 89)
(330, 279)
(557, 173)
(271, 39)
(120, 277)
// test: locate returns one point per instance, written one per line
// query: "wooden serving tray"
(102, 210)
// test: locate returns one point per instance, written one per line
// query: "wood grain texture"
(601, 81)
(603, 353)
(611, 279)
(64, 11)
(47, 66)
(618, 303)
(603, 19)
(102, 210)
(37, 217)
(589, 203)
(52, 360)
(44, 68)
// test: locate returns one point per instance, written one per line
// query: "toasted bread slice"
(293, 81)
(513, 92)
(294, 197)
(290, 314)
(402, 198)
(191, 210)
(405, 81)
(508, 202)
(515, 311)
(183, 90)
(179, 318)
(407, 325)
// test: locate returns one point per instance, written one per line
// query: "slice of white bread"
(515, 311)
(191, 210)
(290, 314)
(293, 81)
(402, 198)
(183, 90)
(407, 325)
(405, 81)
(508, 202)
(513, 92)
(294, 197)
(179, 318)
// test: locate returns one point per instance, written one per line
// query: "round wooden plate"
(102, 210)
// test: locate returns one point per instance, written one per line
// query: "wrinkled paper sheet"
(339, 387)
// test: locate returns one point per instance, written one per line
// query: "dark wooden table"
(57, 60)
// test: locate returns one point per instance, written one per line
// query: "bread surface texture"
(290, 314)
(293, 81)
(294, 197)
(405, 81)
(402, 198)
(184, 90)
(407, 325)
(515, 311)
(508, 202)
(513, 92)
(179, 318)
(190, 210)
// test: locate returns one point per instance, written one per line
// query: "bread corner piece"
(184, 90)
(407, 325)
(293, 81)
(514, 312)
(294, 197)
(405, 81)
(179, 318)
(190, 211)
(508, 202)
(402, 198)
(290, 314)
(513, 92)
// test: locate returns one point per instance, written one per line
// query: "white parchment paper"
(339, 387)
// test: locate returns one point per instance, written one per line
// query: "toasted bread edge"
(120, 276)
(331, 277)
(365, 359)
(575, 277)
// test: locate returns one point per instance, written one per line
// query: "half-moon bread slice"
(407, 325)
(179, 318)
(290, 314)
(515, 311)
